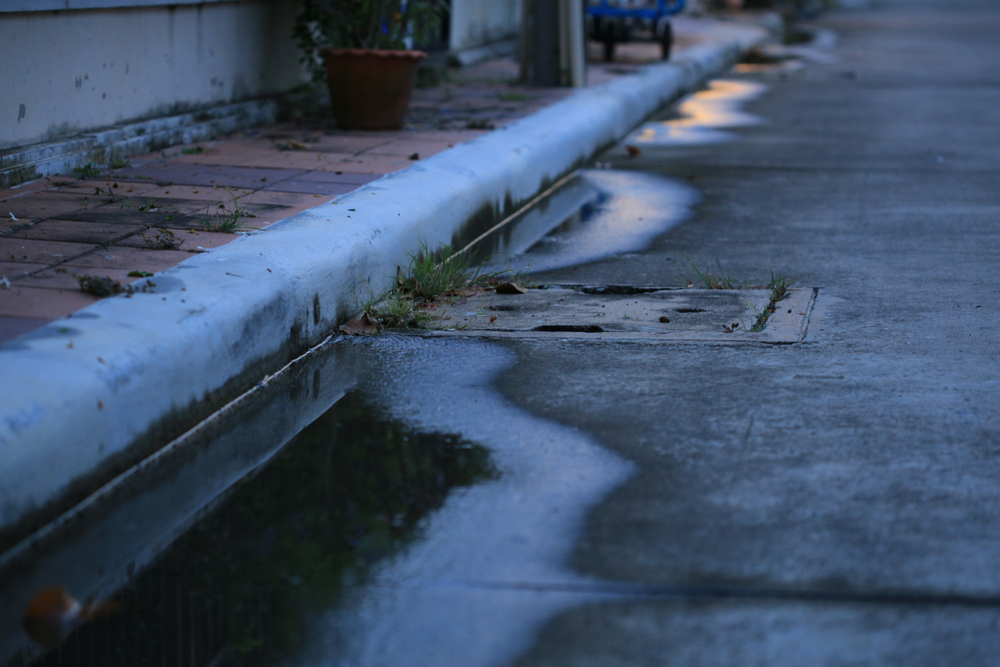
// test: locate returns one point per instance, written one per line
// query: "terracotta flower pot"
(370, 88)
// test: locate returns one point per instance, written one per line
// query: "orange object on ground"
(53, 614)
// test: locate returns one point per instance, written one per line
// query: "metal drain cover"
(693, 315)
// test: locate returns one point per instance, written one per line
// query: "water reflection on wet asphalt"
(602, 213)
(703, 117)
(280, 570)
(474, 588)
(616, 212)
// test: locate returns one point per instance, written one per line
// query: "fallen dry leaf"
(361, 326)
(53, 614)
(510, 288)
(633, 151)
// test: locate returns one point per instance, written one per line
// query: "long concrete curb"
(89, 395)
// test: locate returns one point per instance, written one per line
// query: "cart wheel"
(667, 40)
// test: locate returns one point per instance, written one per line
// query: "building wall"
(478, 22)
(64, 72)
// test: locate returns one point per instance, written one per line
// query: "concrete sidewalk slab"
(657, 315)
(133, 373)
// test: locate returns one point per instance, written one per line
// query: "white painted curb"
(84, 389)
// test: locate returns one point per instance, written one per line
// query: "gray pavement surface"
(832, 502)
(862, 463)
(827, 502)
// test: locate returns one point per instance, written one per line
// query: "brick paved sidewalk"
(150, 215)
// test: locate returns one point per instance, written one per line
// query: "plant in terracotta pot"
(363, 48)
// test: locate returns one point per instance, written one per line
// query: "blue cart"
(613, 23)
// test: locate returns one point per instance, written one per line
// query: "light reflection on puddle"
(704, 116)
(603, 213)
(599, 214)
(491, 565)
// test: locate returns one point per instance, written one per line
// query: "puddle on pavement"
(370, 538)
(600, 213)
(492, 565)
(597, 214)
(236, 586)
(703, 117)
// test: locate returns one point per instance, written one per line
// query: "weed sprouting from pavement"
(88, 170)
(712, 281)
(164, 239)
(151, 206)
(100, 286)
(430, 279)
(398, 311)
(778, 286)
(111, 195)
(777, 289)
(228, 219)
(432, 276)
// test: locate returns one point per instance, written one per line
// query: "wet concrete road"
(833, 502)
(830, 502)
(859, 469)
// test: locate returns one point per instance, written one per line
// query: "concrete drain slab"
(651, 314)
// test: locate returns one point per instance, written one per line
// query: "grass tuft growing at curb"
(100, 286)
(435, 275)
(228, 219)
(430, 280)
